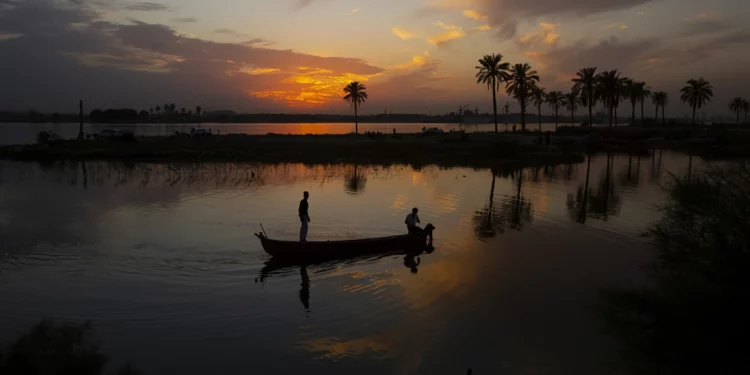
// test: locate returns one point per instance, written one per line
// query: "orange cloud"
(403, 34)
(483, 28)
(551, 38)
(446, 26)
(309, 87)
(475, 15)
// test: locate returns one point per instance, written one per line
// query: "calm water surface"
(23, 133)
(162, 258)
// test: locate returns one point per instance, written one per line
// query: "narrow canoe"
(325, 249)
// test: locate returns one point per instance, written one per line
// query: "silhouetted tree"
(631, 89)
(151, 111)
(644, 92)
(586, 82)
(183, 110)
(746, 108)
(556, 99)
(355, 95)
(198, 111)
(158, 109)
(696, 94)
(355, 182)
(538, 97)
(610, 90)
(492, 72)
(572, 101)
(660, 100)
(736, 105)
(521, 81)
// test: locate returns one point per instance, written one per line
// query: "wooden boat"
(333, 249)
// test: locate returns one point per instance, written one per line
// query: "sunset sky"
(296, 55)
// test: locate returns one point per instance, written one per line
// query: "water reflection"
(603, 201)
(515, 209)
(355, 181)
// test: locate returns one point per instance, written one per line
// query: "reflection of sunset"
(308, 86)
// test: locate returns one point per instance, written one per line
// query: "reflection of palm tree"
(355, 183)
(355, 95)
(577, 207)
(520, 209)
(605, 201)
(483, 219)
(629, 178)
(697, 93)
(492, 72)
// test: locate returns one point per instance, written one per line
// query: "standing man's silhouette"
(304, 217)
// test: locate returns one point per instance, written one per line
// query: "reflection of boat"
(325, 249)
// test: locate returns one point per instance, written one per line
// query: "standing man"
(304, 217)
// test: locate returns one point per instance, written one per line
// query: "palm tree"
(572, 101)
(746, 108)
(538, 97)
(522, 79)
(660, 100)
(355, 95)
(632, 93)
(610, 90)
(644, 92)
(183, 110)
(151, 110)
(586, 81)
(198, 110)
(736, 105)
(556, 99)
(158, 109)
(492, 72)
(697, 93)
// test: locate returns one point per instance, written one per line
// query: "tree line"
(610, 88)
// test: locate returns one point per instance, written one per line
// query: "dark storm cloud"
(66, 52)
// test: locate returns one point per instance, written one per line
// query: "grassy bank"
(480, 150)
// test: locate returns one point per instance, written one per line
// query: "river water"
(162, 259)
(25, 133)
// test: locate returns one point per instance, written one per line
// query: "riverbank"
(453, 149)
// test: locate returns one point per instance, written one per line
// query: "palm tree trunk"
(494, 101)
(611, 108)
(591, 104)
(556, 118)
(643, 118)
(523, 114)
(694, 115)
(738, 116)
(539, 111)
(656, 114)
(663, 119)
(633, 113)
(572, 117)
(356, 119)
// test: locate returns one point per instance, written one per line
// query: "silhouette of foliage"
(538, 97)
(572, 101)
(660, 100)
(692, 318)
(492, 72)
(555, 99)
(697, 93)
(356, 96)
(736, 105)
(586, 82)
(521, 81)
